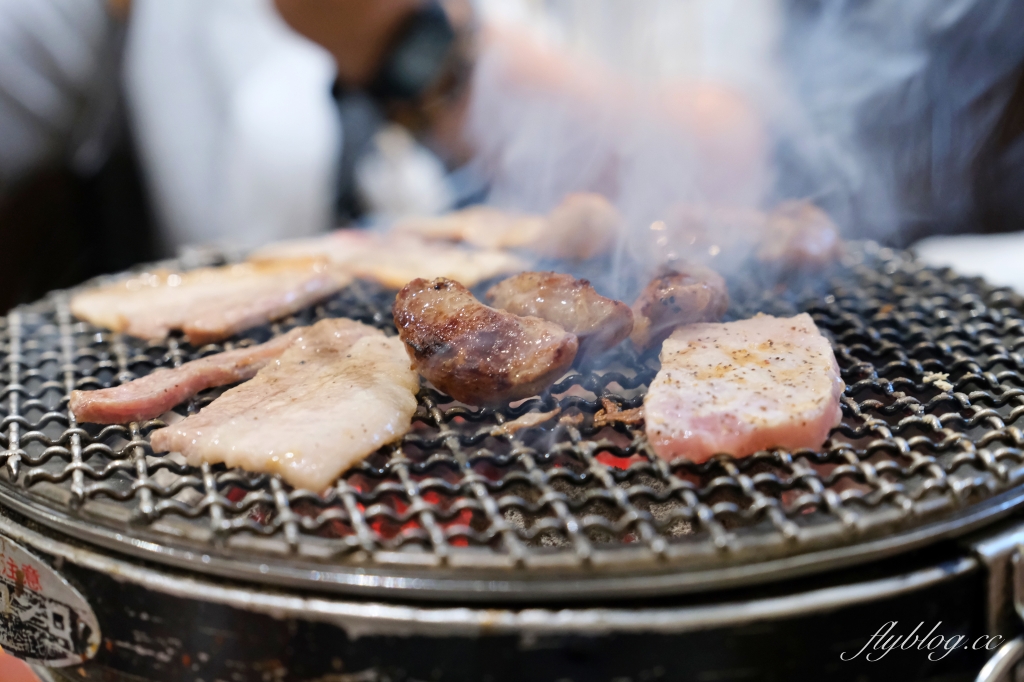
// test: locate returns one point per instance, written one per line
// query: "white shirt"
(234, 121)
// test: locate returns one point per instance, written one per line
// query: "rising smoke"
(695, 112)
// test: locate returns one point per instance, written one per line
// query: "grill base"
(153, 631)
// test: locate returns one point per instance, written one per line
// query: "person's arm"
(357, 33)
(56, 64)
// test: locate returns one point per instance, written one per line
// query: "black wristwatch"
(420, 56)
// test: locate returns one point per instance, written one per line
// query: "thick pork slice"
(337, 394)
(150, 396)
(741, 387)
(208, 304)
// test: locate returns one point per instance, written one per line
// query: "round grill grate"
(461, 508)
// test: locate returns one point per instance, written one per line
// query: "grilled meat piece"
(685, 294)
(741, 387)
(584, 225)
(599, 323)
(150, 396)
(476, 354)
(485, 227)
(337, 394)
(208, 304)
(610, 413)
(799, 235)
(706, 233)
(393, 260)
(527, 421)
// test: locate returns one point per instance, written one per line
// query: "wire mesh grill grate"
(935, 391)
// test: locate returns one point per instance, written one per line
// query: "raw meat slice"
(337, 394)
(741, 387)
(394, 260)
(208, 304)
(582, 226)
(150, 396)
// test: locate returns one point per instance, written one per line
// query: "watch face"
(418, 56)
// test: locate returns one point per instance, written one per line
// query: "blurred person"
(913, 114)
(71, 201)
(238, 107)
(231, 109)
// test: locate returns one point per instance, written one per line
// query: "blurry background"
(131, 130)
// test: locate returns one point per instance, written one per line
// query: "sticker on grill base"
(43, 619)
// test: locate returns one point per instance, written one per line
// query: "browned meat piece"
(610, 413)
(573, 304)
(799, 235)
(476, 354)
(527, 421)
(688, 293)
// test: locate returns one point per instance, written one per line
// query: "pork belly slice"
(799, 235)
(741, 387)
(337, 394)
(150, 396)
(474, 353)
(573, 304)
(582, 226)
(485, 227)
(685, 293)
(208, 304)
(394, 260)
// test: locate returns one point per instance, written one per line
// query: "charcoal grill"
(558, 538)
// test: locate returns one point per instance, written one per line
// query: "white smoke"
(874, 109)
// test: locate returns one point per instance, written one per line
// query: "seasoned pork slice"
(741, 387)
(393, 260)
(474, 353)
(573, 304)
(208, 304)
(150, 396)
(582, 226)
(337, 394)
(685, 294)
(799, 235)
